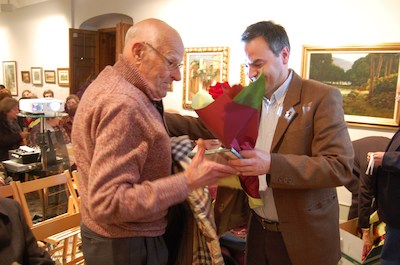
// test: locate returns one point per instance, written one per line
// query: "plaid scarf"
(206, 248)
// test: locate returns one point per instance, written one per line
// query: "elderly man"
(123, 152)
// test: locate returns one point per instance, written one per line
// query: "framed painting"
(244, 79)
(26, 76)
(63, 76)
(10, 76)
(50, 76)
(202, 68)
(367, 76)
(37, 76)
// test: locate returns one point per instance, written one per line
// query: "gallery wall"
(37, 36)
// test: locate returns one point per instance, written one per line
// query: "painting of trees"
(368, 86)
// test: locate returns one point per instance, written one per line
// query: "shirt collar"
(279, 95)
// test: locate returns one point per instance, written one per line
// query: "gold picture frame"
(26, 76)
(367, 76)
(202, 68)
(63, 76)
(37, 76)
(244, 79)
(10, 76)
(50, 76)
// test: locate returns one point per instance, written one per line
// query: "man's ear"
(137, 51)
(285, 55)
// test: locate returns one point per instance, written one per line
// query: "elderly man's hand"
(202, 172)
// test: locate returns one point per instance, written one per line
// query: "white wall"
(38, 35)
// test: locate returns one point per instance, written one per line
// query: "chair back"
(61, 228)
(7, 191)
(42, 185)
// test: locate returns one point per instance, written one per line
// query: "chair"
(75, 180)
(8, 191)
(60, 228)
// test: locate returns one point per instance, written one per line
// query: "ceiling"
(21, 3)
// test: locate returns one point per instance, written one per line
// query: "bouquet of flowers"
(232, 115)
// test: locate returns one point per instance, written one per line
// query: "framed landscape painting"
(202, 68)
(63, 76)
(50, 76)
(10, 76)
(367, 76)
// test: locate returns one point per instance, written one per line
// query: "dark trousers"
(264, 247)
(99, 250)
(390, 252)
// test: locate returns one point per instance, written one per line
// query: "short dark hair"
(274, 35)
(48, 91)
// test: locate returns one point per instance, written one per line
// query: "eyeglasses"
(171, 64)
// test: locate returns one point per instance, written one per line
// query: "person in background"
(52, 125)
(360, 194)
(11, 134)
(71, 105)
(48, 93)
(4, 92)
(17, 243)
(303, 152)
(387, 193)
(72, 100)
(123, 152)
(26, 93)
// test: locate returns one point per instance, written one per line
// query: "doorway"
(94, 46)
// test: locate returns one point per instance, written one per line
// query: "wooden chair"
(60, 228)
(8, 191)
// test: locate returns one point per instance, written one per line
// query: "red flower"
(224, 88)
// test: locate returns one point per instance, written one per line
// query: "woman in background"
(11, 134)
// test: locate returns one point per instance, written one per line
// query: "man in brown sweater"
(123, 152)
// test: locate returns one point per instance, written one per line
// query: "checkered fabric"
(206, 248)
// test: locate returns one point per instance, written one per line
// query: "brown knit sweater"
(123, 155)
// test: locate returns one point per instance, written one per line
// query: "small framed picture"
(26, 76)
(63, 76)
(37, 75)
(10, 76)
(50, 76)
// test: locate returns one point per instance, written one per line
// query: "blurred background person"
(4, 92)
(48, 93)
(52, 125)
(11, 134)
(17, 243)
(71, 104)
(26, 93)
(387, 193)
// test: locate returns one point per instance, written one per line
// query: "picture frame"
(63, 76)
(50, 76)
(244, 79)
(10, 76)
(26, 76)
(203, 67)
(37, 76)
(367, 77)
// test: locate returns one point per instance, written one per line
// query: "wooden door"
(91, 51)
(83, 57)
